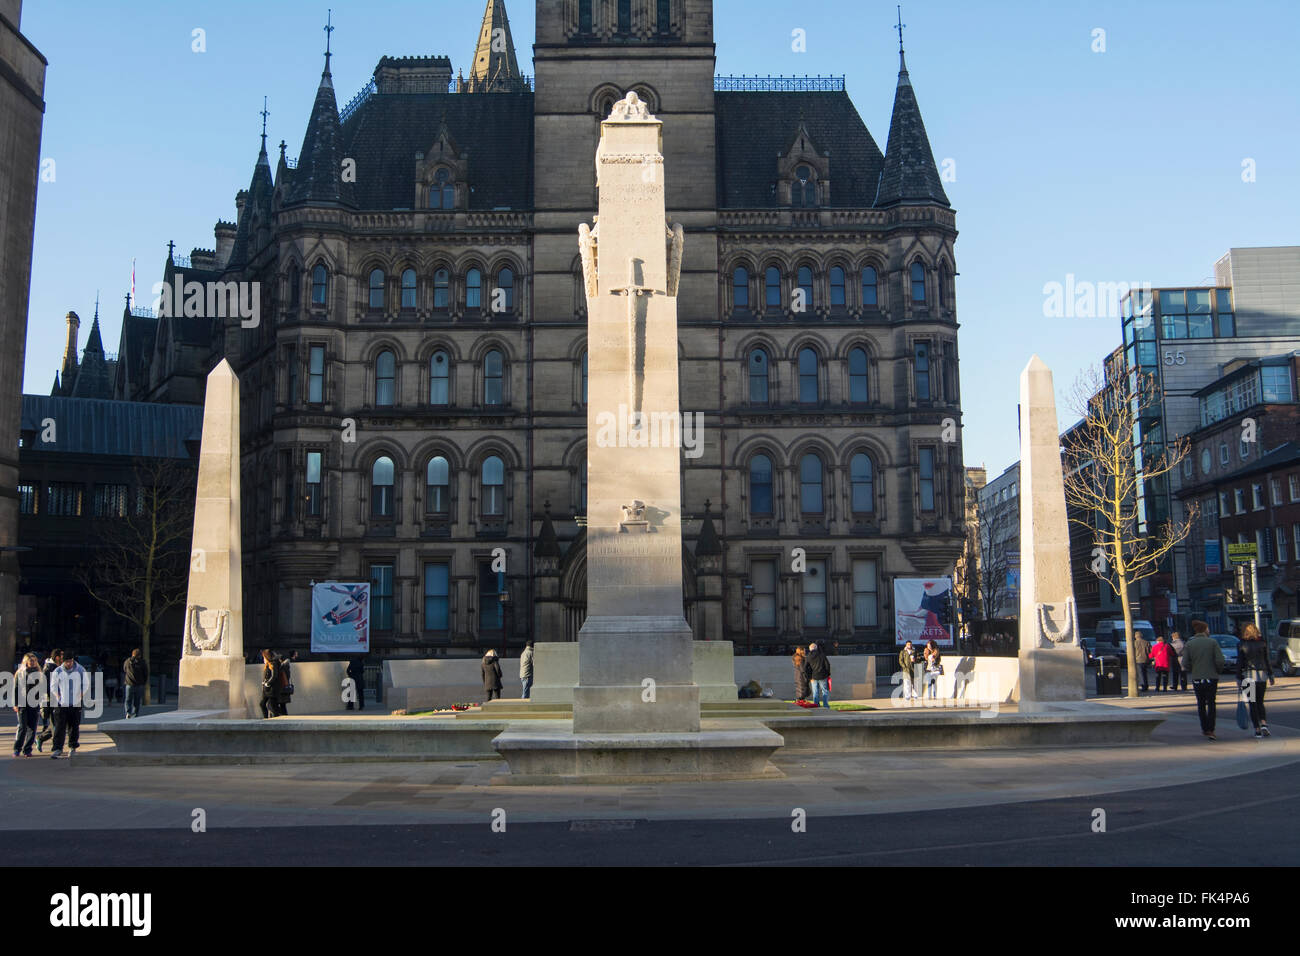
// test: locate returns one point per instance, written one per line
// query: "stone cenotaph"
(212, 649)
(1051, 661)
(636, 706)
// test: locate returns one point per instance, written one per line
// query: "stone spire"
(255, 214)
(910, 174)
(495, 68)
(319, 176)
(93, 379)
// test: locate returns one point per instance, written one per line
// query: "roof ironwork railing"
(372, 89)
(181, 262)
(778, 84)
(291, 163)
(141, 312)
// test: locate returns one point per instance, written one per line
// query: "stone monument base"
(636, 676)
(1050, 674)
(213, 682)
(548, 752)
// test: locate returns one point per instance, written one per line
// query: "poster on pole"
(923, 611)
(340, 618)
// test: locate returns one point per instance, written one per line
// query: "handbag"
(1243, 715)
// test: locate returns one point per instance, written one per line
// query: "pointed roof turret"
(94, 342)
(256, 211)
(495, 68)
(57, 387)
(909, 174)
(319, 176)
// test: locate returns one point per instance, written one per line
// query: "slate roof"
(1284, 454)
(909, 174)
(385, 132)
(753, 128)
(100, 427)
(318, 177)
(136, 345)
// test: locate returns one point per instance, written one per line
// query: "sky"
(1107, 141)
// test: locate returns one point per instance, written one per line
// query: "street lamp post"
(504, 598)
(747, 590)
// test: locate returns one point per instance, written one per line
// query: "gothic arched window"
(869, 298)
(295, 287)
(803, 191)
(385, 378)
(624, 17)
(506, 284)
(863, 484)
(918, 283)
(494, 487)
(493, 379)
(408, 289)
(760, 485)
(442, 194)
(473, 289)
(758, 381)
(376, 289)
(320, 279)
(740, 288)
(858, 392)
(838, 299)
(381, 488)
(806, 286)
(439, 378)
(442, 290)
(437, 478)
(810, 485)
(772, 283)
(808, 391)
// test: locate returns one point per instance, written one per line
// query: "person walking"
(1204, 659)
(68, 686)
(1160, 660)
(1253, 666)
(356, 671)
(906, 661)
(27, 703)
(933, 669)
(1177, 669)
(136, 671)
(491, 670)
(46, 730)
(819, 676)
(800, 662)
(526, 669)
(1142, 657)
(270, 703)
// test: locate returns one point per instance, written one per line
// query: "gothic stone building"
(414, 396)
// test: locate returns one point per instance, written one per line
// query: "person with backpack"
(286, 682)
(136, 672)
(270, 702)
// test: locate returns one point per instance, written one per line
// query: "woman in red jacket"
(1160, 655)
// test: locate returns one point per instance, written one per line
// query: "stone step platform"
(529, 710)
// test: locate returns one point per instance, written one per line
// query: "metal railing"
(372, 89)
(778, 84)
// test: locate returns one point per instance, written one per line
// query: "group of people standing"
(1166, 657)
(812, 676)
(277, 683)
(490, 667)
(925, 665)
(49, 699)
(1203, 662)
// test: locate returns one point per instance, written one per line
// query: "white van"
(1287, 646)
(1112, 632)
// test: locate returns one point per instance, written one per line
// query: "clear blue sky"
(1115, 166)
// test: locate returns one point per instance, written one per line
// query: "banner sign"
(1213, 557)
(923, 611)
(1242, 553)
(340, 618)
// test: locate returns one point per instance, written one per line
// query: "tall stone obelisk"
(635, 651)
(1051, 662)
(212, 650)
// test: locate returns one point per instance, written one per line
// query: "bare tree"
(142, 569)
(995, 562)
(966, 575)
(1103, 479)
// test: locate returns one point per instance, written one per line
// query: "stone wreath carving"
(1056, 625)
(205, 629)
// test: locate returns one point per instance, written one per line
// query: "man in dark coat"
(819, 675)
(136, 671)
(357, 671)
(491, 669)
(285, 693)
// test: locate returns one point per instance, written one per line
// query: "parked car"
(1229, 645)
(1287, 646)
(1113, 633)
(1092, 653)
